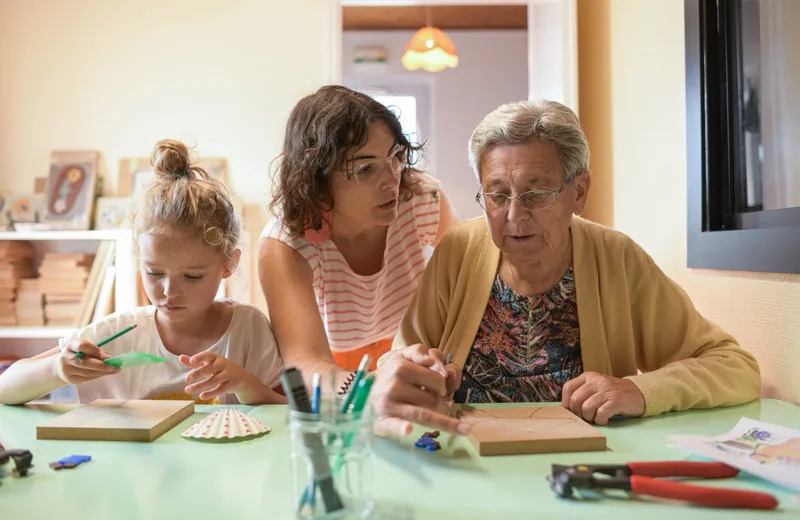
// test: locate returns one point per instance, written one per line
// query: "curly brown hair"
(322, 129)
(185, 198)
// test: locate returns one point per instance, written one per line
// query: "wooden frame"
(216, 167)
(113, 213)
(24, 207)
(136, 173)
(71, 189)
(129, 169)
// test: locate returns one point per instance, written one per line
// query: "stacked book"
(16, 263)
(62, 282)
(30, 303)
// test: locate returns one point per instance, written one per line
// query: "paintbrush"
(109, 339)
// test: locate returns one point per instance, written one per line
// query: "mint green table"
(175, 478)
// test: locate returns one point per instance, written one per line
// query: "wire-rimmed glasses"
(368, 172)
(533, 200)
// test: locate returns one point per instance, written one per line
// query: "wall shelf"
(35, 332)
(73, 241)
(95, 234)
(24, 341)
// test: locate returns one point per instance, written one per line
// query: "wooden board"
(530, 429)
(117, 420)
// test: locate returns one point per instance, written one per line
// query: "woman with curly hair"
(343, 257)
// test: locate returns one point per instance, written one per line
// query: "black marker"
(295, 390)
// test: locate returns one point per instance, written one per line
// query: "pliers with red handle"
(645, 478)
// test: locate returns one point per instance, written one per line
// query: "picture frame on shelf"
(136, 174)
(24, 208)
(71, 189)
(216, 168)
(113, 213)
(40, 185)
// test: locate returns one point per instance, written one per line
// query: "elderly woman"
(536, 304)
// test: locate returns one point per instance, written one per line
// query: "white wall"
(493, 69)
(119, 75)
(634, 54)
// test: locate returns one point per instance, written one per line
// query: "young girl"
(186, 232)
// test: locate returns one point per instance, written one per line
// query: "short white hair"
(531, 121)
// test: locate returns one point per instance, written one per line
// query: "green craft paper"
(133, 359)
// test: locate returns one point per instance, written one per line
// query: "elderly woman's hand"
(597, 397)
(413, 385)
(451, 371)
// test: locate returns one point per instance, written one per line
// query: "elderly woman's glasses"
(533, 200)
(368, 172)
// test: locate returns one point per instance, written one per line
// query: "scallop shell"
(226, 424)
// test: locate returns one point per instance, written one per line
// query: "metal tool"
(23, 460)
(647, 478)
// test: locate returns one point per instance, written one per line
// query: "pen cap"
(295, 389)
(362, 392)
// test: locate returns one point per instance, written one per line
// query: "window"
(405, 108)
(743, 134)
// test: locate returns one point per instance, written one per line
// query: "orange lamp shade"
(430, 49)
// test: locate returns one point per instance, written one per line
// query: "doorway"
(508, 50)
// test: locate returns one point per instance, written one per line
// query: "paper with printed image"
(766, 450)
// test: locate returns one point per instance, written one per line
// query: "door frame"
(332, 38)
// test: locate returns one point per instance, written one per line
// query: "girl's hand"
(74, 370)
(214, 375)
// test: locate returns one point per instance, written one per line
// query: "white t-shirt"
(248, 342)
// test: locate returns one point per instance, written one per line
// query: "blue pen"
(316, 399)
(316, 393)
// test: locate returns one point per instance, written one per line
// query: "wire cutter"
(23, 460)
(645, 478)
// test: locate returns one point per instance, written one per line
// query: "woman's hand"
(597, 397)
(451, 371)
(74, 370)
(412, 386)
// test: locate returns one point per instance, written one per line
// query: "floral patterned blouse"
(526, 347)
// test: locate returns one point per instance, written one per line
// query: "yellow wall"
(635, 50)
(119, 75)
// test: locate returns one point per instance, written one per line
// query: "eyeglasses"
(369, 172)
(533, 200)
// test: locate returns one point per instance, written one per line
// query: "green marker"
(363, 367)
(360, 401)
(109, 339)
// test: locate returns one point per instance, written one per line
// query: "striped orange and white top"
(361, 314)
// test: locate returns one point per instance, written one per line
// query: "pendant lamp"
(430, 49)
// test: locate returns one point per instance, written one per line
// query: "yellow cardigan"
(635, 322)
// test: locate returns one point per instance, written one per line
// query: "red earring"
(321, 235)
